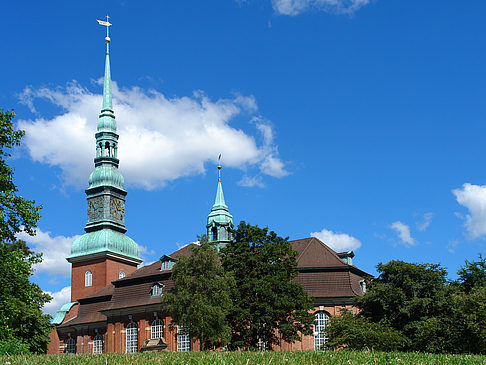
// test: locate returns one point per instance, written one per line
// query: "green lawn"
(246, 358)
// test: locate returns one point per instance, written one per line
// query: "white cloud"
(161, 139)
(251, 181)
(295, 7)
(55, 249)
(403, 232)
(339, 242)
(427, 219)
(58, 299)
(473, 197)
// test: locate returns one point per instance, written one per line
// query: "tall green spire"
(105, 228)
(220, 221)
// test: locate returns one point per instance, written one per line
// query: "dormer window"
(156, 290)
(166, 263)
(362, 283)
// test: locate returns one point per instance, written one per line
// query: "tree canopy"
(200, 301)
(21, 301)
(267, 305)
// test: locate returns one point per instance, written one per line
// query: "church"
(115, 306)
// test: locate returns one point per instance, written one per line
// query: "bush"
(355, 332)
(13, 347)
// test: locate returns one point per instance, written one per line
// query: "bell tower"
(104, 253)
(220, 221)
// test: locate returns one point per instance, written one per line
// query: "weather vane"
(219, 167)
(107, 24)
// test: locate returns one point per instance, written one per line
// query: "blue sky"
(359, 121)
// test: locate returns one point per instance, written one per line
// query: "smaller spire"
(107, 102)
(219, 201)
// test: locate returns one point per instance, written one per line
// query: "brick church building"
(115, 306)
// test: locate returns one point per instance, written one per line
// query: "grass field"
(247, 358)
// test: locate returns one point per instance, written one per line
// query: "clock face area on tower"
(106, 207)
(117, 208)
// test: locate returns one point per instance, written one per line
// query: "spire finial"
(219, 167)
(107, 24)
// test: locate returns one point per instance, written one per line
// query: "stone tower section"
(104, 253)
(220, 221)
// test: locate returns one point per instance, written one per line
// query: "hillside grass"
(247, 358)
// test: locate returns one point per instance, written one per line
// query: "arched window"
(214, 232)
(98, 344)
(121, 275)
(88, 278)
(132, 338)
(320, 335)
(157, 329)
(183, 340)
(156, 290)
(71, 346)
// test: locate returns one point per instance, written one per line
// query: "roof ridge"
(303, 251)
(333, 253)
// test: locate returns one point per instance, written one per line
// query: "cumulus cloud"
(295, 7)
(339, 242)
(59, 298)
(161, 139)
(54, 251)
(403, 232)
(473, 197)
(250, 181)
(427, 219)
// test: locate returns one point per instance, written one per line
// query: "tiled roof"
(321, 272)
(89, 313)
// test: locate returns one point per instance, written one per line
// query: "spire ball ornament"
(107, 39)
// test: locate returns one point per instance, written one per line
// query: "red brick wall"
(307, 343)
(104, 271)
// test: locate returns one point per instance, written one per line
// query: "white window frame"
(320, 324)
(156, 290)
(131, 338)
(157, 329)
(121, 274)
(71, 346)
(183, 340)
(88, 278)
(98, 344)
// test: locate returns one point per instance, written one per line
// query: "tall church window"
(71, 346)
(183, 340)
(132, 338)
(121, 275)
(214, 232)
(157, 329)
(320, 335)
(88, 278)
(98, 344)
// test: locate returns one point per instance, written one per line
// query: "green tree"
(355, 332)
(21, 301)
(413, 299)
(16, 212)
(21, 317)
(200, 300)
(472, 274)
(267, 305)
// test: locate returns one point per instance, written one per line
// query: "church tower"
(220, 221)
(104, 253)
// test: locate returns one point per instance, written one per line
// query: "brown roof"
(314, 253)
(330, 284)
(138, 294)
(321, 272)
(88, 313)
